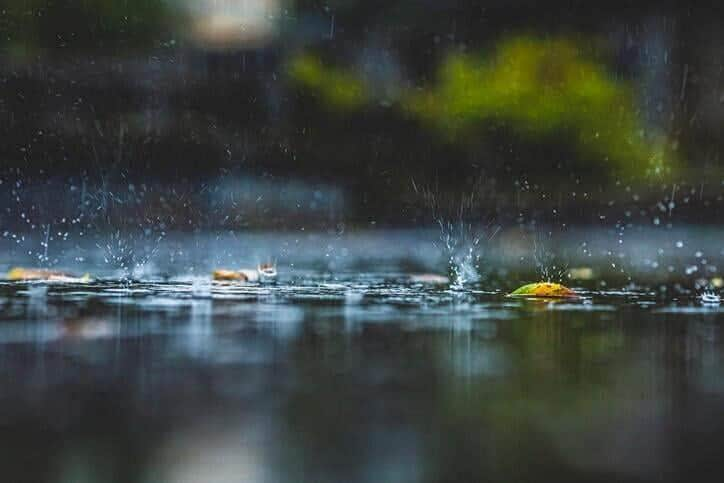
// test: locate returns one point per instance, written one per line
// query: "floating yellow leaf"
(543, 289)
(230, 276)
(20, 274)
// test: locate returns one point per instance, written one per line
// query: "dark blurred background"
(274, 112)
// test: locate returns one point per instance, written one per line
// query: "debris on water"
(27, 274)
(429, 278)
(264, 273)
(710, 298)
(543, 289)
(223, 275)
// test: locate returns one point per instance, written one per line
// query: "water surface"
(356, 378)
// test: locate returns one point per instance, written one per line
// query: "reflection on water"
(365, 379)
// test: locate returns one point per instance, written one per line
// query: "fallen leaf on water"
(20, 274)
(543, 289)
(230, 276)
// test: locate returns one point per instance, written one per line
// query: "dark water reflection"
(355, 381)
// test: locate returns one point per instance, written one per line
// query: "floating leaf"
(20, 274)
(264, 273)
(543, 289)
(230, 276)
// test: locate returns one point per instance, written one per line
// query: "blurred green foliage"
(336, 88)
(542, 89)
(30, 26)
(538, 89)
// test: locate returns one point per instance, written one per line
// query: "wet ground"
(357, 377)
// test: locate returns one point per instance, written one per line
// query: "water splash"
(462, 245)
(462, 235)
(131, 257)
(710, 298)
(548, 265)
